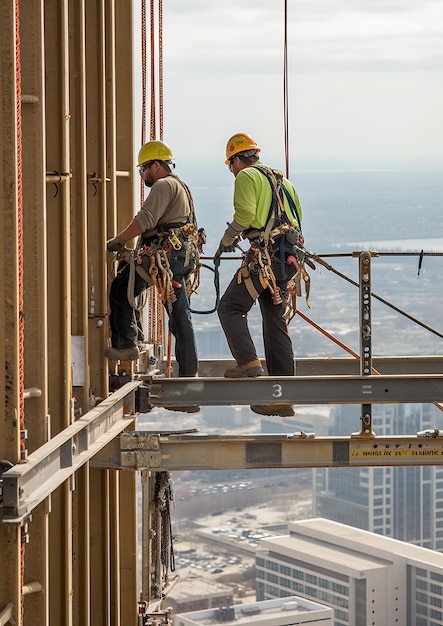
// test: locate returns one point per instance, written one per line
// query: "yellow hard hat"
(154, 151)
(240, 142)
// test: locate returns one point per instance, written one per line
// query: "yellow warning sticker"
(384, 453)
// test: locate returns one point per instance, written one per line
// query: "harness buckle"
(175, 241)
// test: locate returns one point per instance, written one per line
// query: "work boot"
(183, 409)
(282, 410)
(122, 354)
(252, 369)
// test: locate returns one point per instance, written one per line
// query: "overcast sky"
(365, 76)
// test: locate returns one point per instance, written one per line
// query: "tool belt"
(279, 265)
(167, 255)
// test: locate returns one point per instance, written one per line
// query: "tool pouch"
(282, 248)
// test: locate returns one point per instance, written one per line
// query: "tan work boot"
(282, 410)
(252, 369)
(122, 354)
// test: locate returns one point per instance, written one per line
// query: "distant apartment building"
(286, 612)
(199, 594)
(405, 503)
(367, 579)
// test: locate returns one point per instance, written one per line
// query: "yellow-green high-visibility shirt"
(253, 196)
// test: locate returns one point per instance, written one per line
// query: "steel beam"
(144, 450)
(338, 366)
(300, 389)
(26, 485)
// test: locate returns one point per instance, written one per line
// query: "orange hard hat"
(240, 142)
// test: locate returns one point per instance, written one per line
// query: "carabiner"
(175, 241)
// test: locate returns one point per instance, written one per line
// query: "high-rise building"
(367, 579)
(402, 502)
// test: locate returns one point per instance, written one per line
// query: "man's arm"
(116, 243)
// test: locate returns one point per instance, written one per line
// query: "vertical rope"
(161, 312)
(19, 220)
(160, 66)
(285, 90)
(153, 116)
(20, 267)
(156, 319)
(143, 121)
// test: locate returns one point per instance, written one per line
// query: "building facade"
(367, 579)
(405, 503)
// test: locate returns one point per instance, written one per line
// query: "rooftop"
(282, 611)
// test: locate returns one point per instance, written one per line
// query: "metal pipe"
(27, 99)
(34, 587)
(6, 614)
(56, 177)
(32, 392)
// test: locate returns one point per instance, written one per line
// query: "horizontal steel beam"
(335, 366)
(300, 389)
(145, 450)
(27, 484)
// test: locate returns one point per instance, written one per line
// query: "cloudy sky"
(365, 76)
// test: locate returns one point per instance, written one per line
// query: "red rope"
(153, 121)
(160, 66)
(143, 121)
(19, 219)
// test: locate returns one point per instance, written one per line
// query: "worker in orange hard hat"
(166, 226)
(267, 212)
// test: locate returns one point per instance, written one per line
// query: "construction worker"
(268, 213)
(166, 248)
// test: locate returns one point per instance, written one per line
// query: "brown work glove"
(115, 245)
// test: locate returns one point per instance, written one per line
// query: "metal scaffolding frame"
(68, 510)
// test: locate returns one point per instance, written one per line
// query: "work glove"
(230, 239)
(115, 245)
(227, 244)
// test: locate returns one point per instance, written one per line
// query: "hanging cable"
(216, 270)
(153, 99)
(143, 120)
(285, 90)
(156, 320)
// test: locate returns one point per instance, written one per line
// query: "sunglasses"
(231, 162)
(146, 166)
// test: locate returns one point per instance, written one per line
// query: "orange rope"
(156, 318)
(374, 372)
(21, 329)
(331, 337)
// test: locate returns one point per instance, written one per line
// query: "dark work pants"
(233, 310)
(123, 320)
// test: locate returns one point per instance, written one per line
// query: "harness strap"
(243, 274)
(275, 188)
(162, 230)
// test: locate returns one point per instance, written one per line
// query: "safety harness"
(280, 244)
(153, 250)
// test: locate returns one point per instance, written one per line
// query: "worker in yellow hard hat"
(165, 225)
(267, 212)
